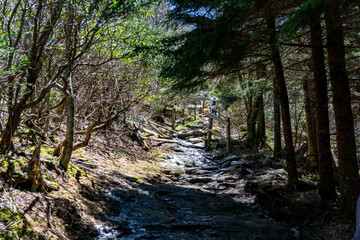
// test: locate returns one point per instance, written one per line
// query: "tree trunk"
(70, 120)
(326, 172)
(251, 123)
(35, 57)
(345, 138)
(70, 126)
(251, 120)
(260, 125)
(309, 112)
(35, 172)
(284, 103)
(277, 122)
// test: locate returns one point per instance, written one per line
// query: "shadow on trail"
(164, 211)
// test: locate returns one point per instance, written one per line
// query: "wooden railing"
(223, 120)
(192, 105)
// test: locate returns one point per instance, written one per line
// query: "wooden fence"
(192, 105)
(223, 120)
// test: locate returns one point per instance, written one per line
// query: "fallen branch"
(161, 134)
(161, 126)
(161, 140)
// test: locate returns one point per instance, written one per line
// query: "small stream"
(202, 201)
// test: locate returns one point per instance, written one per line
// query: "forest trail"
(203, 200)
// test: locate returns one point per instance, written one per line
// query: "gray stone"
(225, 169)
(200, 180)
(210, 167)
(234, 163)
(196, 140)
(230, 158)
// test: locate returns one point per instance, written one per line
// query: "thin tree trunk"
(326, 172)
(284, 103)
(260, 125)
(251, 123)
(345, 138)
(70, 120)
(277, 122)
(70, 128)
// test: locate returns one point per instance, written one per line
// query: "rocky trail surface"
(203, 197)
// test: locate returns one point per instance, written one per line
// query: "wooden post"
(209, 133)
(173, 118)
(228, 135)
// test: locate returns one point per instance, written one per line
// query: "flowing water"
(203, 201)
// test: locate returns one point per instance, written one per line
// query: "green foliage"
(17, 226)
(309, 10)
(213, 45)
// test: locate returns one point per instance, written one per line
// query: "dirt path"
(203, 200)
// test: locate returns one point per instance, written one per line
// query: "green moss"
(17, 226)
(138, 179)
(47, 151)
(116, 165)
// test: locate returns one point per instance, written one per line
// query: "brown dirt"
(111, 159)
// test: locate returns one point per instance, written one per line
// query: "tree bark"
(284, 103)
(260, 125)
(251, 123)
(70, 120)
(326, 172)
(309, 113)
(70, 128)
(277, 122)
(345, 138)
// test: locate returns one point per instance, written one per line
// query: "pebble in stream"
(193, 208)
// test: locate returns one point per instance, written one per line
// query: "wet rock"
(196, 140)
(200, 180)
(236, 163)
(226, 162)
(191, 170)
(204, 172)
(210, 167)
(231, 158)
(196, 133)
(178, 149)
(225, 169)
